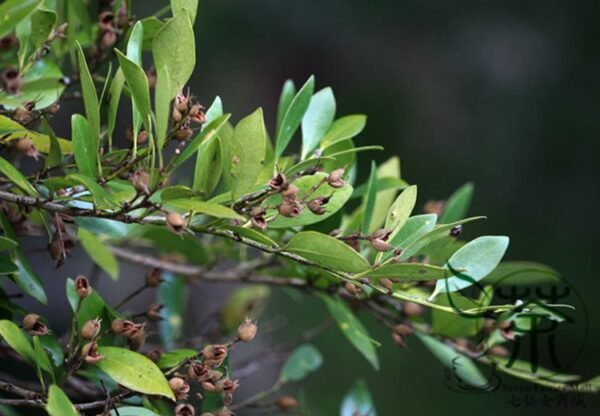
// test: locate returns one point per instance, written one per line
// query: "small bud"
(285, 403)
(140, 180)
(183, 134)
(434, 207)
(398, 340)
(456, 230)
(22, 115)
(153, 312)
(278, 182)
(499, 351)
(91, 329)
(227, 385)
(11, 80)
(175, 222)
(379, 240)
(179, 387)
(386, 283)
(247, 331)
(198, 372)
(184, 409)
(316, 205)
(289, 192)
(82, 285)
(412, 309)
(289, 209)
(153, 277)
(33, 325)
(154, 355)
(403, 329)
(214, 354)
(90, 354)
(352, 289)
(335, 178)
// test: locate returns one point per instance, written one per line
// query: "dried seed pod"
(176, 115)
(91, 329)
(82, 285)
(257, 217)
(403, 329)
(106, 21)
(412, 309)
(184, 409)
(227, 385)
(499, 351)
(154, 355)
(122, 326)
(214, 354)
(175, 222)
(289, 192)
(53, 109)
(198, 372)
(247, 330)
(140, 180)
(289, 209)
(278, 182)
(335, 178)
(137, 338)
(398, 340)
(153, 277)
(90, 354)
(11, 80)
(285, 403)
(22, 115)
(181, 103)
(352, 289)
(386, 283)
(153, 312)
(184, 134)
(142, 137)
(379, 240)
(180, 388)
(316, 205)
(33, 325)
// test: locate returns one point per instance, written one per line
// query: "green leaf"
(59, 403)
(455, 324)
(475, 260)
(41, 357)
(174, 47)
(293, 116)
(85, 146)
(42, 22)
(16, 177)
(400, 210)
(458, 204)
(134, 44)
(369, 200)
(344, 128)
(352, 329)
(17, 340)
(172, 295)
(246, 154)
(408, 271)
(173, 358)
(133, 411)
(358, 401)
(245, 302)
(114, 96)
(204, 138)
(338, 199)
(43, 84)
(138, 84)
(510, 273)
(202, 207)
(13, 11)
(167, 242)
(99, 253)
(327, 251)
(253, 235)
(190, 6)
(414, 228)
(304, 360)
(7, 266)
(7, 243)
(26, 278)
(102, 199)
(134, 371)
(317, 119)
(90, 96)
(54, 154)
(461, 366)
(162, 105)
(11, 130)
(388, 170)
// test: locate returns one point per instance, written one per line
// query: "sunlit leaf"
(317, 119)
(293, 116)
(59, 403)
(99, 252)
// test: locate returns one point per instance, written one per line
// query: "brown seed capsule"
(108, 39)
(403, 329)
(398, 340)
(91, 329)
(183, 134)
(289, 192)
(499, 351)
(335, 178)
(155, 355)
(82, 285)
(90, 354)
(179, 387)
(123, 326)
(153, 312)
(289, 209)
(278, 182)
(22, 116)
(379, 240)
(137, 338)
(352, 289)
(153, 277)
(181, 103)
(412, 309)
(105, 20)
(257, 217)
(176, 115)
(26, 147)
(198, 118)
(214, 354)
(247, 330)
(316, 205)
(386, 283)
(55, 248)
(11, 80)
(142, 137)
(151, 75)
(140, 180)
(285, 403)
(198, 372)
(33, 325)
(184, 409)
(227, 385)
(175, 222)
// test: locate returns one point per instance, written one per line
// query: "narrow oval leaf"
(172, 295)
(352, 329)
(458, 204)
(190, 6)
(293, 116)
(456, 324)
(369, 200)
(99, 253)
(90, 96)
(475, 260)
(7, 243)
(102, 198)
(173, 358)
(203, 207)
(138, 84)
(401, 210)
(408, 271)
(414, 228)
(13, 11)
(85, 146)
(134, 371)
(162, 105)
(327, 251)
(344, 128)
(304, 360)
(59, 403)
(17, 340)
(208, 133)
(317, 119)
(285, 99)
(16, 177)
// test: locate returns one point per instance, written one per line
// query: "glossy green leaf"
(43, 84)
(203, 207)
(400, 210)
(369, 200)
(133, 411)
(358, 401)
(162, 105)
(13, 11)
(172, 295)
(327, 251)
(461, 366)
(246, 154)
(33, 32)
(16, 177)
(102, 198)
(409, 271)
(285, 99)
(476, 260)
(174, 47)
(17, 340)
(99, 253)
(7, 266)
(304, 360)
(512, 273)
(253, 235)
(317, 119)
(114, 96)
(41, 357)
(59, 403)
(458, 204)
(190, 6)
(293, 116)
(207, 135)
(414, 228)
(173, 358)
(344, 128)
(90, 96)
(138, 84)
(85, 146)
(7, 243)
(455, 324)
(11, 130)
(134, 371)
(388, 170)
(26, 278)
(352, 329)
(305, 184)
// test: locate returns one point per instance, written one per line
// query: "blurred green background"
(505, 94)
